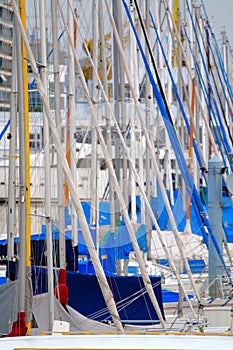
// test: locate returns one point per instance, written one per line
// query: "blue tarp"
(179, 213)
(117, 245)
(85, 295)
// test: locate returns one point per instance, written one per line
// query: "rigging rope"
(175, 143)
(207, 75)
(207, 96)
(225, 77)
(177, 95)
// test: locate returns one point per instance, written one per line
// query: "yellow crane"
(87, 68)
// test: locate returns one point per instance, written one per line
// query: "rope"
(177, 95)
(206, 71)
(207, 98)
(177, 148)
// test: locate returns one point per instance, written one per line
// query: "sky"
(220, 14)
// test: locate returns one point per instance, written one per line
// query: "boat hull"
(119, 341)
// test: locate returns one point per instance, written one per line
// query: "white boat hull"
(116, 341)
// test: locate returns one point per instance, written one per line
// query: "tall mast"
(61, 224)
(94, 217)
(22, 166)
(169, 100)
(72, 112)
(24, 176)
(195, 115)
(116, 98)
(205, 135)
(47, 171)
(27, 175)
(120, 112)
(11, 225)
(122, 109)
(107, 113)
(149, 99)
(134, 74)
(93, 177)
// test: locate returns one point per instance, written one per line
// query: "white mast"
(72, 111)
(22, 178)
(134, 74)
(11, 226)
(93, 177)
(116, 99)
(205, 135)
(149, 100)
(169, 100)
(107, 114)
(61, 224)
(196, 172)
(47, 171)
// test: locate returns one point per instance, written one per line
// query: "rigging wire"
(214, 80)
(177, 96)
(207, 97)
(225, 77)
(180, 157)
(207, 74)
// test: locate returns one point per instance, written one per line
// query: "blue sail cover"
(85, 296)
(117, 245)
(178, 211)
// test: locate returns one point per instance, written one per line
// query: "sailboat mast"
(195, 114)
(94, 170)
(190, 163)
(47, 172)
(107, 113)
(215, 216)
(12, 158)
(24, 174)
(27, 173)
(134, 74)
(72, 113)
(22, 177)
(148, 101)
(61, 224)
(116, 98)
(169, 102)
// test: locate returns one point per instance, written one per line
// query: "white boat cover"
(9, 311)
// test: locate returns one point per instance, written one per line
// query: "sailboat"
(121, 340)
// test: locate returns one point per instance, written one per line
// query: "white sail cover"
(78, 322)
(9, 311)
